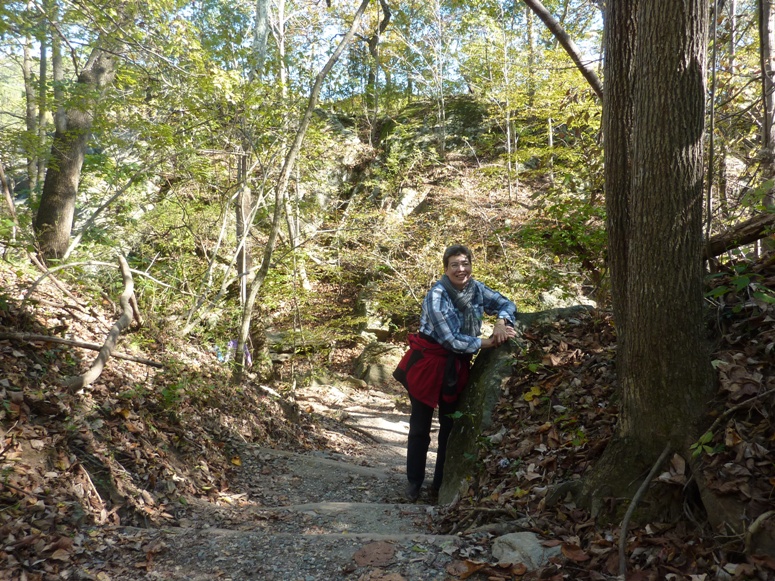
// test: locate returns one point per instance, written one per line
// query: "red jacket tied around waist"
(429, 371)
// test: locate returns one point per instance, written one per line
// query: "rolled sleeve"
(496, 304)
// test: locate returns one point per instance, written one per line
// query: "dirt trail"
(336, 514)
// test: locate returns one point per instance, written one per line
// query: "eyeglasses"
(463, 264)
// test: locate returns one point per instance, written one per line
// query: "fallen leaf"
(378, 554)
(60, 555)
(574, 553)
(464, 569)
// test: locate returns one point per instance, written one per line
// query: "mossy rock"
(491, 368)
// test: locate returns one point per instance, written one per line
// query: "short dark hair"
(456, 250)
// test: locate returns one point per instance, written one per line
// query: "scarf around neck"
(462, 301)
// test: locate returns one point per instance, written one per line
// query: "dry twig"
(32, 337)
(631, 509)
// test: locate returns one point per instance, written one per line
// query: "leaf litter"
(142, 447)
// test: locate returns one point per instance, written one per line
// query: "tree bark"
(655, 234)
(620, 33)
(567, 43)
(260, 36)
(54, 219)
(767, 45)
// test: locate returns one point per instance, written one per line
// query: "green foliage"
(742, 282)
(704, 446)
(757, 197)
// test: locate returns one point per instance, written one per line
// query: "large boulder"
(375, 365)
(491, 368)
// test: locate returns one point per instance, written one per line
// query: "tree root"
(635, 500)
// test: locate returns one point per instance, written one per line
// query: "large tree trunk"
(656, 235)
(54, 220)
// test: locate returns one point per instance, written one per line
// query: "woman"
(436, 367)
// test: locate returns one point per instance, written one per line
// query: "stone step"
(361, 518)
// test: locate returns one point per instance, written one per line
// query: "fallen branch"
(741, 405)
(631, 509)
(110, 343)
(32, 337)
(49, 273)
(362, 432)
(753, 229)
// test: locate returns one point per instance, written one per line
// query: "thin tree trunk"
(439, 72)
(243, 204)
(509, 129)
(531, 57)
(40, 166)
(767, 45)
(373, 81)
(58, 78)
(281, 187)
(9, 201)
(260, 36)
(30, 116)
(127, 315)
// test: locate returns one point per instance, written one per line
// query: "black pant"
(420, 439)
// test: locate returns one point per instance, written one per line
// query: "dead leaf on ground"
(378, 554)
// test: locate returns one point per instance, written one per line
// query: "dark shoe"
(413, 492)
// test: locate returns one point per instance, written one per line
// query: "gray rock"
(476, 404)
(523, 548)
(559, 298)
(376, 364)
(377, 324)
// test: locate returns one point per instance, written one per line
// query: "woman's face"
(459, 271)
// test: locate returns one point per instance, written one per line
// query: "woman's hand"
(500, 334)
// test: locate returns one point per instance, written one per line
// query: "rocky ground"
(299, 516)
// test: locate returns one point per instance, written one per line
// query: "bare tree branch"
(33, 337)
(110, 343)
(567, 43)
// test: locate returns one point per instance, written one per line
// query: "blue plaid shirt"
(442, 321)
